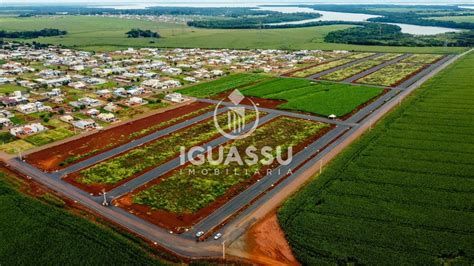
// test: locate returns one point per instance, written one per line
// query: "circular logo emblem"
(237, 127)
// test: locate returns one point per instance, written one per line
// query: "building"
(107, 117)
(5, 122)
(176, 98)
(85, 124)
(27, 130)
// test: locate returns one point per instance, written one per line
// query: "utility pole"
(320, 166)
(223, 249)
(105, 203)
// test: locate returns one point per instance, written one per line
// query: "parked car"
(199, 234)
(217, 236)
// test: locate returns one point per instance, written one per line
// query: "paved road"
(334, 69)
(133, 144)
(339, 137)
(283, 113)
(375, 68)
(175, 163)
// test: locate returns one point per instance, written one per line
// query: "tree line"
(138, 33)
(31, 34)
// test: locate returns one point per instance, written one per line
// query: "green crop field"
(185, 192)
(314, 97)
(105, 34)
(35, 233)
(218, 86)
(404, 193)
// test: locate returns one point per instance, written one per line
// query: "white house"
(27, 130)
(85, 124)
(176, 97)
(136, 101)
(5, 122)
(107, 117)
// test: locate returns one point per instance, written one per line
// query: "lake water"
(423, 30)
(326, 15)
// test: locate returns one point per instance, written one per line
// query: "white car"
(217, 236)
(199, 234)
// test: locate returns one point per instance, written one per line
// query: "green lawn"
(36, 233)
(314, 97)
(49, 136)
(10, 88)
(97, 33)
(403, 194)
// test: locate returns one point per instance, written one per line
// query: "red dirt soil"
(49, 159)
(266, 243)
(259, 102)
(178, 222)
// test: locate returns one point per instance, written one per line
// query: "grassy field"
(103, 34)
(10, 88)
(403, 193)
(218, 86)
(458, 19)
(314, 97)
(36, 233)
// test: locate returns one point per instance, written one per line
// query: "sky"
(240, 2)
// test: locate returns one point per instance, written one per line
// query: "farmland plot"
(403, 193)
(314, 97)
(215, 87)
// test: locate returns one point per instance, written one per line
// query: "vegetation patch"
(218, 86)
(321, 67)
(49, 136)
(422, 58)
(184, 192)
(45, 234)
(391, 74)
(314, 97)
(403, 193)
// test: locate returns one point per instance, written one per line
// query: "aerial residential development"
(166, 144)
